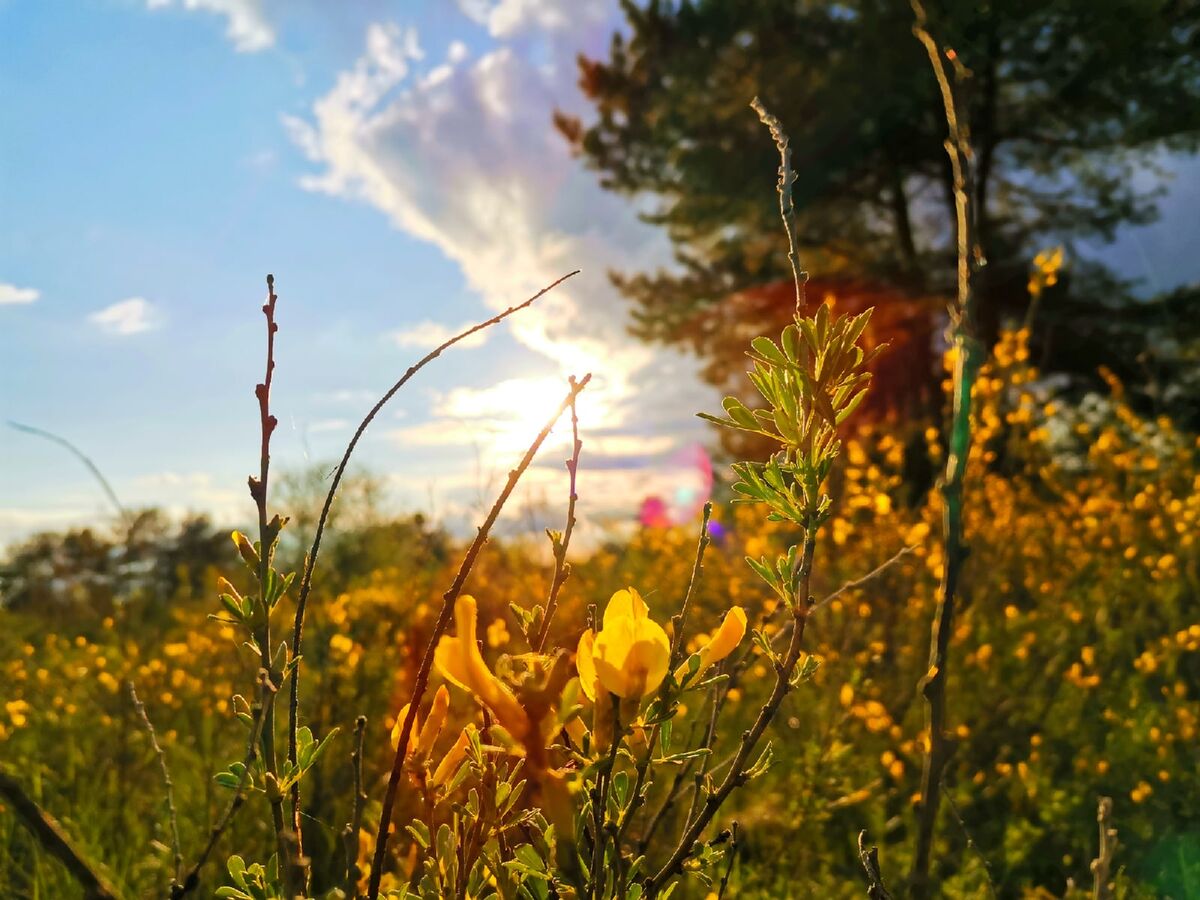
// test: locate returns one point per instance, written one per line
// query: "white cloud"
(246, 27)
(11, 295)
(126, 317)
(322, 426)
(470, 162)
(428, 334)
(507, 18)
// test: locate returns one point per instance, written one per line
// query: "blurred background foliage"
(1076, 660)
(1067, 101)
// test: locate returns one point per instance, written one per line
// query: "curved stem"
(562, 570)
(443, 621)
(967, 361)
(310, 561)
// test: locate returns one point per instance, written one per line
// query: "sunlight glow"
(509, 414)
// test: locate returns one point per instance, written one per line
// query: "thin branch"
(679, 621)
(848, 586)
(79, 454)
(870, 863)
(968, 353)
(354, 827)
(170, 787)
(310, 561)
(50, 834)
(732, 858)
(787, 209)
(443, 620)
(874, 573)
(1102, 864)
(637, 797)
(974, 847)
(736, 775)
(562, 569)
(288, 840)
(673, 793)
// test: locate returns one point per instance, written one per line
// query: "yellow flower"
(728, 636)
(433, 725)
(586, 666)
(629, 656)
(396, 729)
(460, 662)
(449, 764)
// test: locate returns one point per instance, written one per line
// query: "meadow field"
(920, 619)
(1074, 666)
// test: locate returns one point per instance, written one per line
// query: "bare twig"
(562, 569)
(310, 561)
(50, 834)
(287, 838)
(967, 360)
(787, 209)
(731, 859)
(673, 794)
(971, 845)
(170, 787)
(1102, 864)
(870, 576)
(870, 863)
(679, 621)
(443, 620)
(354, 827)
(736, 775)
(83, 458)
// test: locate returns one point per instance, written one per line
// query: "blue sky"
(393, 164)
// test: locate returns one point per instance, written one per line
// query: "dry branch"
(310, 561)
(50, 834)
(443, 621)
(966, 364)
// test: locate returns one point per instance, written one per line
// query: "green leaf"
(237, 869)
(738, 412)
(766, 348)
(233, 606)
(791, 343)
(620, 787)
(420, 832)
(848, 410)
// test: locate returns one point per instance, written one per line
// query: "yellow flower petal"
(449, 764)
(416, 725)
(631, 655)
(448, 659)
(586, 667)
(464, 665)
(626, 604)
(433, 724)
(728, 636)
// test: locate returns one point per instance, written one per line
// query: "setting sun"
(509, 414)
